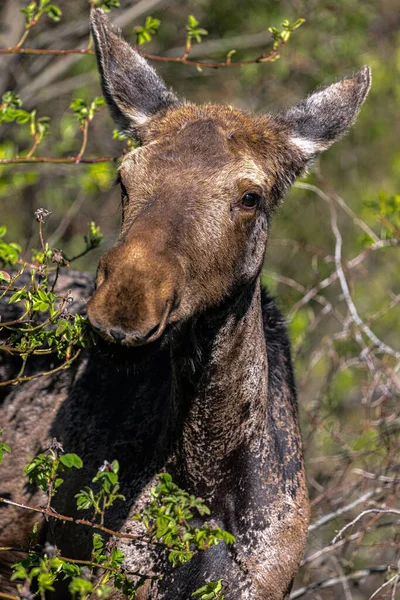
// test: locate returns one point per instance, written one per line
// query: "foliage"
(145, 33)
(84, 111)
(57, 331)
(283, 35)
(94, 237)
(9, 252)
(193, 32)
(386, 209)
(106, 5)
(37, 8)
(213, 589)
(3, 448)
(11, 111)
(169, 508)
(44, 469)
(168, 518)
(108, 490)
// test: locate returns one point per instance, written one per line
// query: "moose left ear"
(133, 90)
(326, 115)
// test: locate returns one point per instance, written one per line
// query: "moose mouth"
(117, 335)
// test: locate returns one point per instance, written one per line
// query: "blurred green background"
(344, 418)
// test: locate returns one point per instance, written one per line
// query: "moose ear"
(131, 87)
(327, 114)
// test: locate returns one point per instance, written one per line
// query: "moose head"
(198, 194)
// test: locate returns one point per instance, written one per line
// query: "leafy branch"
(106, 5)
(166, 519)
(193, 32)
(34, 11)
(11, 112)
(145, 33)
(85, 112)
(56, 331)
(10, 108)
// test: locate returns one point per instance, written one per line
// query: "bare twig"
(61, 160)
(77, 561)
(332, 581)
(9, 596)
(381, 511)
(54, 515)
(343, 509)
(260, 58)
(342, 204)
(380, 588)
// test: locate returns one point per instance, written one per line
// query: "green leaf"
(18, 296)
(210, 590)
(71, 460)
(10, 99)
(4, 276)
(298, 24)
(53, 12)
(3, 448)
(144, 34)
(85, 499)
(106, 5)
(116, 558)
(80, 586)
(45, 582)
(193, 22)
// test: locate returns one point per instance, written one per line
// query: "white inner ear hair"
(138, 117)
(309, 147)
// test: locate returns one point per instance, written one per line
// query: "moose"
(192, 373)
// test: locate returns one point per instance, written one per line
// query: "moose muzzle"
(137, 289)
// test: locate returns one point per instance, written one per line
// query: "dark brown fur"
(212, 398)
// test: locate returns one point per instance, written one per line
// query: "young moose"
(200, 382)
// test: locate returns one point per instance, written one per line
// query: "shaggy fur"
(192, 372)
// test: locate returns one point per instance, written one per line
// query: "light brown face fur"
(190, 235)
(199, 193)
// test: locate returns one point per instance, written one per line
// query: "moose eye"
(250, 200)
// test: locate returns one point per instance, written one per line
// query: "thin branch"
(342, 204)
(34, 146)
(354, 262)
(64, 365)
(388, 582)
(59, 517)
(383, 478)
(62, 160)
(383, 511)
(332, 581)
(261, 58)
(17, 50)
(346, 291)
(343, 578)
(77, 561)
(340, 511)
(351, 538)
(84, 142)
(339, 268)
(395, 584)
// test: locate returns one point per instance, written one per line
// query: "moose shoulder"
(193, 374)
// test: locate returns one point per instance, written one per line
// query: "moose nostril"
(117, 334)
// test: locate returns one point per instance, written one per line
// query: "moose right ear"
(133, 90)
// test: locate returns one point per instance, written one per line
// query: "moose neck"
(224, 390)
